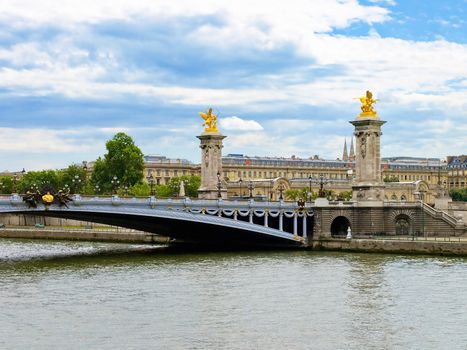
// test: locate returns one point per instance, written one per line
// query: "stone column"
(368, 184)
(211, 164)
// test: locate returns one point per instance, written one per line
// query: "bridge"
(209, 222)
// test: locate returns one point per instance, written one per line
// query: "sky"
(281, 75)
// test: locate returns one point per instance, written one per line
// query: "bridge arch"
(339, 226)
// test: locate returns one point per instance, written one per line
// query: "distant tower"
(352, 151)
(345, 155)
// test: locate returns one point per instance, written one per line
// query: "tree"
(123, 160)
(6, 184)
(303, 193)
(48, 180)
(458, 194)
(191, 183)
(73, 177)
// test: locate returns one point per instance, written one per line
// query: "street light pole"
(76, 183)
(310, 179)
(241, 181)
(150, 179)
(115, 182)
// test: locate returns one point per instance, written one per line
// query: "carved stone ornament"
(363, 146)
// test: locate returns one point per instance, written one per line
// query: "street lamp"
(115, 183)
(150, 179)
(76, 183)
(309, 180)
(97, 189)
(219, 184)
(125, 190)
(240, 182)
(321, 186)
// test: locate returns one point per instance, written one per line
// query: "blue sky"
(281, 75)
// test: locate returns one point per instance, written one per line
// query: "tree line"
(120, 171)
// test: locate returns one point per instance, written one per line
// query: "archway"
(402, 225)
(339, 226)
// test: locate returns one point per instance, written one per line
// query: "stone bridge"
(216, 222)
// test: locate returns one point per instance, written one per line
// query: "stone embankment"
(122, 236)
(445, 246)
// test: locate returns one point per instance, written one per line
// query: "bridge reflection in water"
(216, 222)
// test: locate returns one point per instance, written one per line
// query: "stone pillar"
(211, 164)
(368, 184)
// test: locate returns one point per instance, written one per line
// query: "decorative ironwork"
(33, 198)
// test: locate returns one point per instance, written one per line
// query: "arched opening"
(402, 225)
(339, 226)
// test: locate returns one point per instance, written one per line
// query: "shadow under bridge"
(215, 222)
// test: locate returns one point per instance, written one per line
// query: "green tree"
(191, 183)
(346, 195)
(458, 194)
(303, 193)
(41, 180)
(123, 160)
(6, 184)
(74, 177)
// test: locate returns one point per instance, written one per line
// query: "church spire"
(352, 151)
(345, 155)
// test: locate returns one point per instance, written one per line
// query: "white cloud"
(40, 141)
(236, 123)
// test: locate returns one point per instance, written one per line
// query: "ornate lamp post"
(310, 179)
(97, 189)
(115, 183)
(34, 187)
(321, 194)
(251, 187)
(150, 179)
(2, 186)
(76, 183)
(219, 185)
(125, 190)
(240, 182)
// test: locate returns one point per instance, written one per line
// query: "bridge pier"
(211, 166)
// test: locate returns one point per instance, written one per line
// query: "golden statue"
(210, 121)
(367, 102)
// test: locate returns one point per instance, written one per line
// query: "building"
(457, 171)
(406, 178)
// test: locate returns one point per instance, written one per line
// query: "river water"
(70, 295)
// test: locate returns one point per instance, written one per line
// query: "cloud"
(237, 124)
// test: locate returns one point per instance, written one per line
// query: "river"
(77, 295)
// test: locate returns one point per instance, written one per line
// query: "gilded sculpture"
(367, 102)
(210, 121)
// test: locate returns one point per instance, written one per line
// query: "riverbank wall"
(121, 236)
(455, 246)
